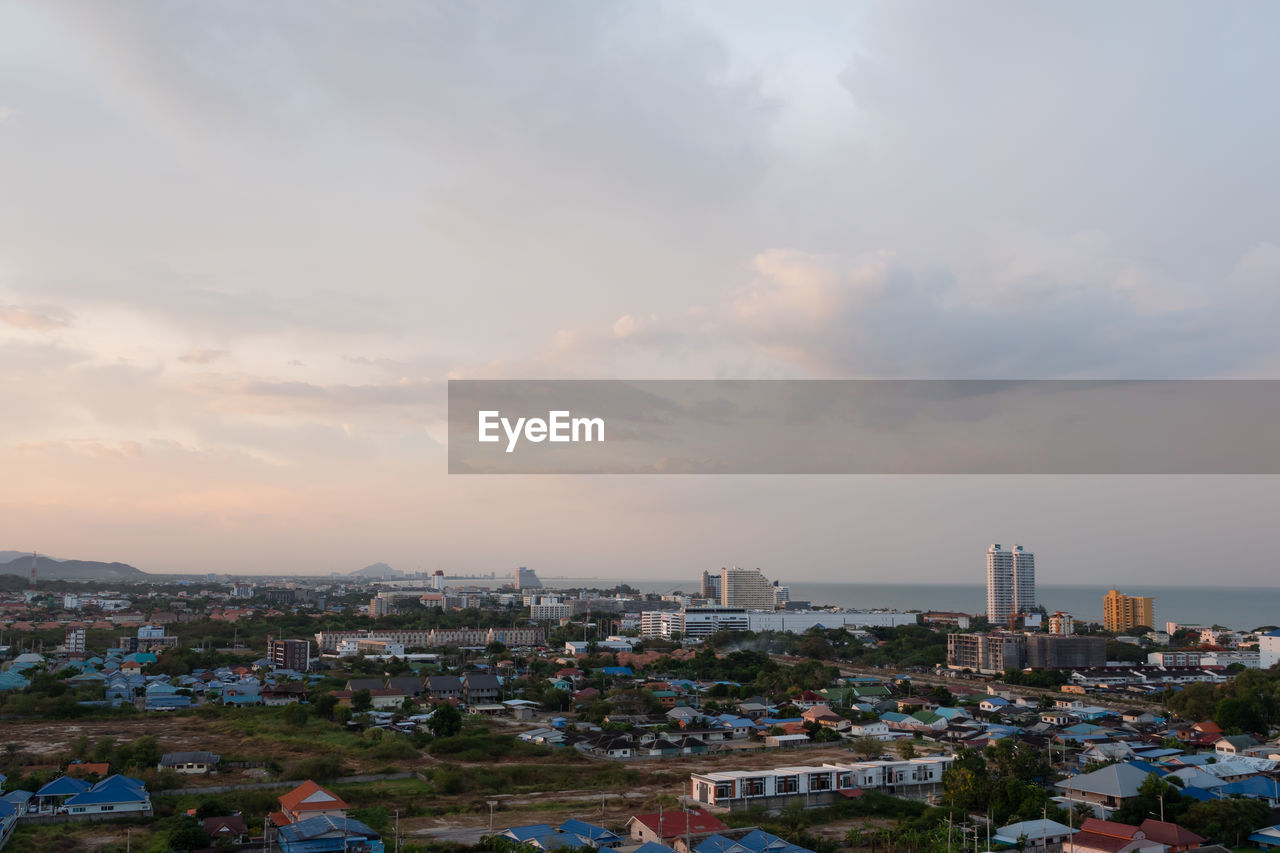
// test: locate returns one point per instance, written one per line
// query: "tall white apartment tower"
(999, 585)
(745, 588)
(1024, 580)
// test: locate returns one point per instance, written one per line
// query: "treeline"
(1248, 704)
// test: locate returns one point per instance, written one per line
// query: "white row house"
(818, 785)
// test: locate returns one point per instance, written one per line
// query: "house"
(993, 705)
(306, 801)
(571, 833)
(84, 768)
(666, 827)
(326, 834)
(379, 697)
(8, 821)
(444, 687)
(1139, 718)
(875, 728)
(117, 794)
(480, 688)
(231, 827)
(1104, 836)
(596, 836)
(1034, 835)
(683, 715)
(824, 716)
(1267, 838)
(1234, 744)
(542, 836)
(755, 841)
(1175, 838)
(283, 694)
(410, 685)
(190, 762)
(51, 797)
(1107, 788)
(354, 684)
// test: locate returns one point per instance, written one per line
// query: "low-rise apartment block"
(735, 790)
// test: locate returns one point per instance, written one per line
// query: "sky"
(244, 245)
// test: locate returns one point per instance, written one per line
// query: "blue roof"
(7, 809)
(588, 831)
(652, 847)
(756, 841)
(532, 830)
(310, 834)
(617, 670)
(715, 844)
(1194, 793)
(1257, 787)
(113, 789)
(1149, 767)
(64, 786)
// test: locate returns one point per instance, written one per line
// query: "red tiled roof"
(304, 798)
(1098, 841)
(1170, 833)
(1108, 827)
(677, 823)
(233, 825)
(83, 769)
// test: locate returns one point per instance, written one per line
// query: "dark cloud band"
(871, 427)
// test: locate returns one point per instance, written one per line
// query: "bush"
(320, 768)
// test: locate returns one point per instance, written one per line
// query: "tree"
(104, 749)
(965, 783)
(324, 704)
(1229, 821)
(446, 720)
(361, 700)
(867, 746)
(187, 835)
(906, 749)
(146, 751)
(295, 715)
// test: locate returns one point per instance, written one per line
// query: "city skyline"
(244, 251)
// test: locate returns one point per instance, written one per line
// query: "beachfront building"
(1122, 612)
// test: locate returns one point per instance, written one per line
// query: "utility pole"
(492, 803)
(397, 831)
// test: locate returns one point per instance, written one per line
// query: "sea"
(1240, 608)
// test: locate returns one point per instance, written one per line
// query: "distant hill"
(69, 570)
(377, 570)
(9, 556)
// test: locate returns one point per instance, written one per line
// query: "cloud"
(202, 356)
(29, 320)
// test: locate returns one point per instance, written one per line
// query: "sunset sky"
(243, 245)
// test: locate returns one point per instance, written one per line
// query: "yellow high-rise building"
(1125, 612)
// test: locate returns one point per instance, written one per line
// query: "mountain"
(9, 556)
(377, 570)
(70, 570)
